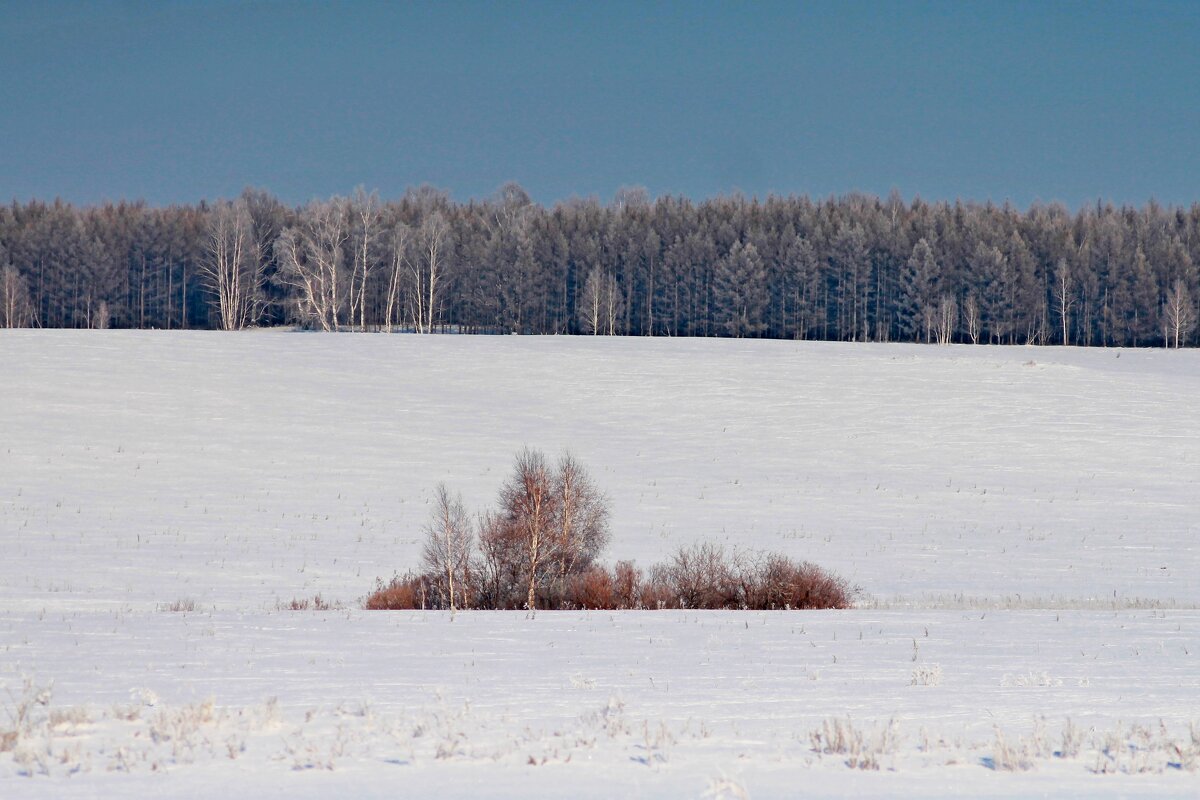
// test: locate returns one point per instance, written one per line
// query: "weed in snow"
(862, 749)
(1030, 679)
(927, 675)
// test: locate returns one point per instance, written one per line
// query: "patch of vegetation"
(539, 549)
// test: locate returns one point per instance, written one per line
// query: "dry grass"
(862, 749)
(182, 605)
(314, 603)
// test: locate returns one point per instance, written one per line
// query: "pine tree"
(740, 292)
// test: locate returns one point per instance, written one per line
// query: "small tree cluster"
(705, 576)
(549, 526)
(538, 549)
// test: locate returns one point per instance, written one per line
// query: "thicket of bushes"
(539, 550)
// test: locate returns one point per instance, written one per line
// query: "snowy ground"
(1022, 521)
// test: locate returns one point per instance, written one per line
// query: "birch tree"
(15, 309)
(580, 525)
(971, 317)
(1179, 314)
(426, 271)
(591, 303)
(401, 236)
(528, 501)
(1064, 298)
(946, 319)
(367, 218)
(311, 260)
(231, 265)
(448, 544)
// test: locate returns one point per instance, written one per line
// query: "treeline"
(850, 268)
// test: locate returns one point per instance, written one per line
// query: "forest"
(850, 268)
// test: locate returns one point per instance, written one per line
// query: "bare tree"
(529, 504)
(400, 238)
(367, 216)
(614, 304)
(1180, 314)
(1063, 297)
(426, 271)
(448, 544)
(580, 526)
(311, 260)
(231, 266)
(601, 305)
(591, 303)
(946, 319)
(15, 309)
(971, 317)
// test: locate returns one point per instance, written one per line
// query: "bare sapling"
(449, 542)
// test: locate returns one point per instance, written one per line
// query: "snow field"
(1022, 521)
(669, 694)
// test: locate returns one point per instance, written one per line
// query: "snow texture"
(1022, 522)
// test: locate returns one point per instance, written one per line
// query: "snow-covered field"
(1022, 522)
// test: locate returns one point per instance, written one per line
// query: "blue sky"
(174, 102)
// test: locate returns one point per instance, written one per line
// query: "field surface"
(1022, 521)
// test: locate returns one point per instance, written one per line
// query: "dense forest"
(850, 268)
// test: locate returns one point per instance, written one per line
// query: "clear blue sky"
(174, 102)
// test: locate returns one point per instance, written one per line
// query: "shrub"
(622, 587)
(782, 583)
(593, 589)
(407, 591)
(699, 576)
(704, 576)
(627, 586)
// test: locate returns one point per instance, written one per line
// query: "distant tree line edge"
(852, 268)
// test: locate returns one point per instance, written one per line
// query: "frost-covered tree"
(740, 291)
(917, 302)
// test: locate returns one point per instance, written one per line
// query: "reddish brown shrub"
(778, 582)
(811, 586)
(705, 576)
(655, 593)
(627, 585)
(403, 592)
(700, 576)
(591, 589)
